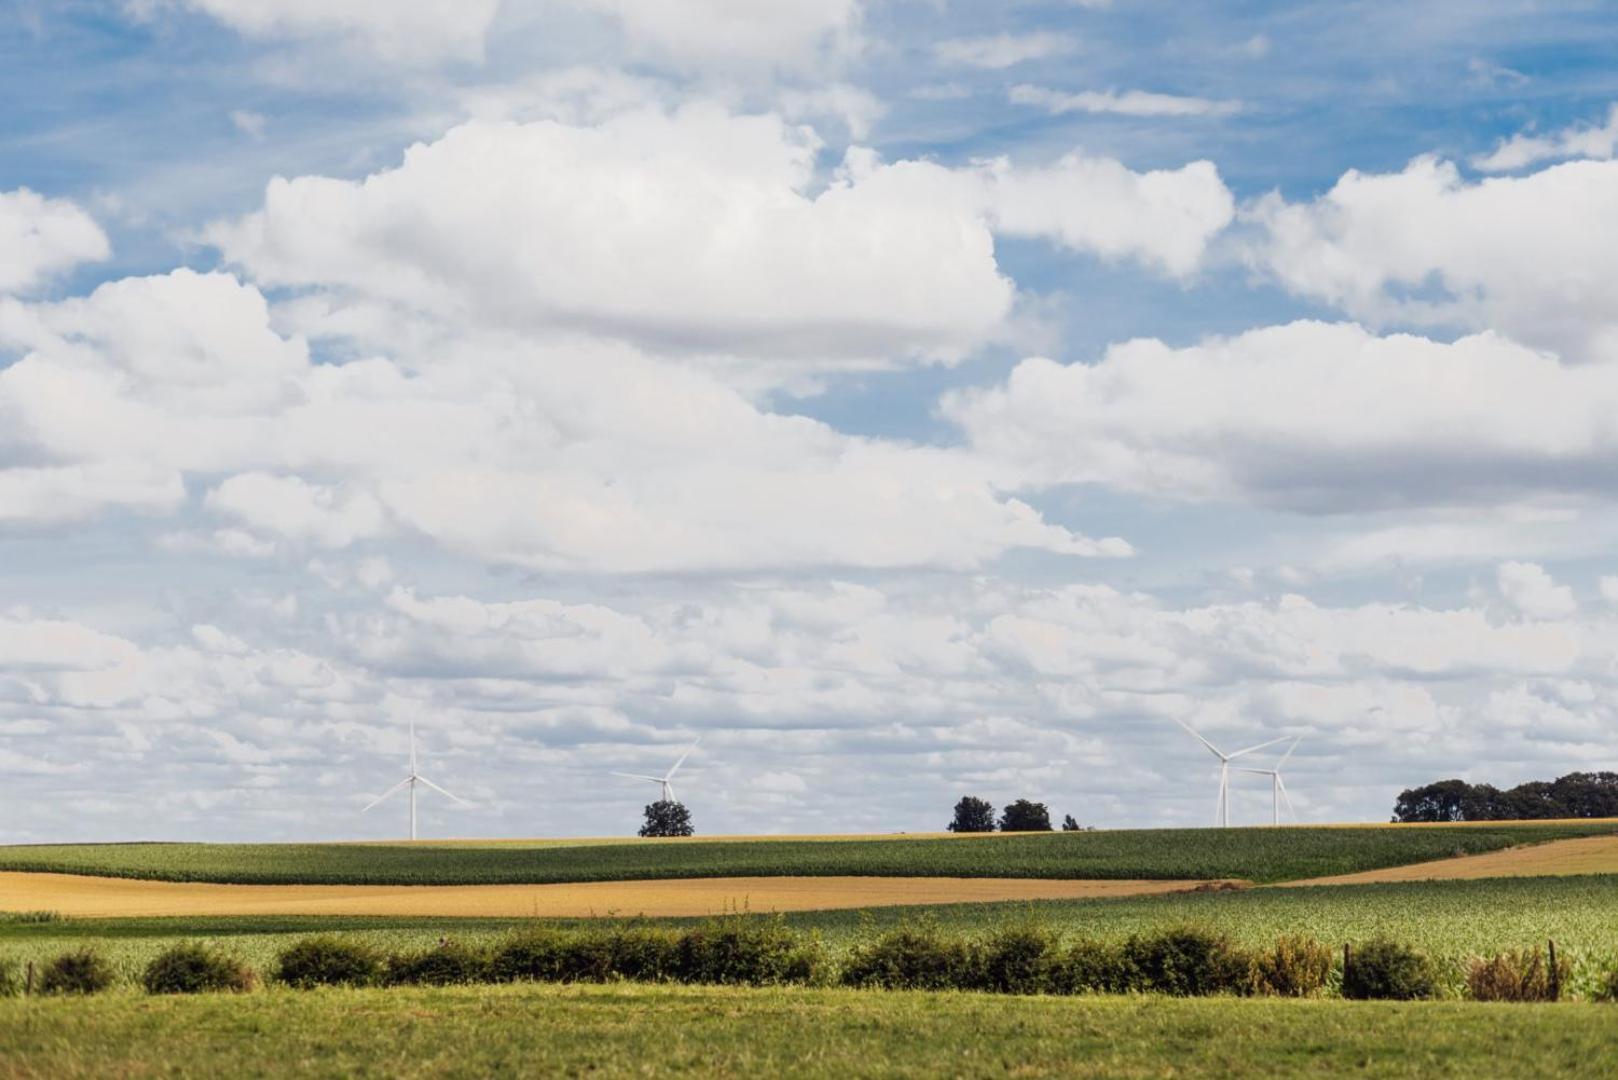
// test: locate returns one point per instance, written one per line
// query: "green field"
(1451, 920)
(1261, 855)
(661, 1031)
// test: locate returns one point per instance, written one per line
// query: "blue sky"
(911, 397)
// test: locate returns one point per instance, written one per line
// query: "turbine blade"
(441, 791)
(1211, 747)
(1282, 784)
(638, 776)
(1260, 746)
(412, 747)
(380, 798)
(677, 764)
(1295, 741)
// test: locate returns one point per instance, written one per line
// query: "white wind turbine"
(1278, 787)
(1222, 807)
(410, 782)
(666, 780)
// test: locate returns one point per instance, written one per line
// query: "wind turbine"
(1222, 807)
(410, 782)
(666, 780)
(1278, 787)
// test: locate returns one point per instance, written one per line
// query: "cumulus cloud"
(1310, 416)
(41, 237)
(1596, 141)
(1533, 593)
(1141, 103)
(1002, 50)
(1525, 255)
(417, 31)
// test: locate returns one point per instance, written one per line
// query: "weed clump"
(329, 961)
(1383, 969)
(82, 971)
(1520, 975)
(193, 968)
(1296, 966)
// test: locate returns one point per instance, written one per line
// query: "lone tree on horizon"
(667, 818)
(1025, 816)
(1069, 825)
(972, 815)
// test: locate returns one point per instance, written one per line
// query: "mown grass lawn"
(672, 1031)
(1262, 855)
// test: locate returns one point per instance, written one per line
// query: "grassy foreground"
(1262, 855)
(662, 1031)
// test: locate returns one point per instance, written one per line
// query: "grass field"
(1450, 920)
(1262, 855)
(665, 1031)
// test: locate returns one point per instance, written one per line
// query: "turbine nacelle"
(410, 782)
(665, 782)
(1222, 805)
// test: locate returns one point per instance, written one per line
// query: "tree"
(972, 815)
(667, 818)
(1025, 816)
(1069, 825)
(1435, 802)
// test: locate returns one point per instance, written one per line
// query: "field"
(1259, 855)
(661, 1031)
(1584, 855)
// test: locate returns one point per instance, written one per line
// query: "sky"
(908, 398)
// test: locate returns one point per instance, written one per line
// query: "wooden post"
(1347, 959)
(1556, 977)
(28, 985)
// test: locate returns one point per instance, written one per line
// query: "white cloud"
(1309, 416)
(1593, 141)
(291, 507)
(1003, 50)
(1533, 593)
(251, 124)
(1526, 255)
(409, 31)
(1139, 103)
(783, 34)
(41, 237)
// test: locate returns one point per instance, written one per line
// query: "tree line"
(977, 815)
(1576, 795)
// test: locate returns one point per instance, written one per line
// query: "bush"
(1383, 969)
(329, 961)
(82, 971)
(1019, 960)
(447, 964)
(1524, 975)
(644, 953)
(757, 952)
(535, 955)
(191, 968)
(1093, 967)
(1296, 967)
(1186, 962)
(914, 958)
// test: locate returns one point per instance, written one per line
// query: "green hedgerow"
(1384, 969)
(914, 957)
(82, 971)
(1019, 960)
(193, 968)
(1094, 967)
(750, 951)
(1186, 962)
(449, 963)
(329, 961)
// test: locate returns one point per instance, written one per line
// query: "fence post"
(1347, 959)
(28, 985)
(1556, 976)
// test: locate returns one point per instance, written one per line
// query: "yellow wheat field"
(1558, 858)
(87, 897)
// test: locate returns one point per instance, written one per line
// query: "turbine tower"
(410, 782)
(1222, 807)
(1278, 787)
(666, 780)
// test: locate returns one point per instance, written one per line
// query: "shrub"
(1296, 966)
(1093, 967)
(82, 971)
(530, 956)
(644, 953)
(1019, 960)
(191, 968)
(914, 958)
(10, 980)
(756, 952)
(449, 963)
(1388, 969)
(329, 961)
(1524, 975)
(1186, 962)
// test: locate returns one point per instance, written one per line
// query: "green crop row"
(1261, 855)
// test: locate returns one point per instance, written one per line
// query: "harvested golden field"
(80, 896)
(1585, 855)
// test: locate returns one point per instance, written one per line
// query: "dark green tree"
(1025, 816)
(972, 815)
(667, 818)
(1069, 825)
